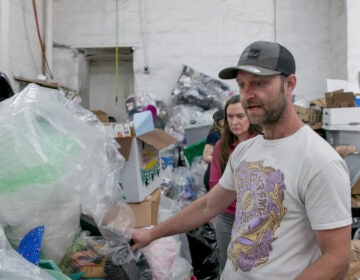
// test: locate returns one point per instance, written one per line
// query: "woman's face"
(237, 119)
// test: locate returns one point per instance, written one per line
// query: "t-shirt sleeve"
(331, 183)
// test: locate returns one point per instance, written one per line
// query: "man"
(293, 214)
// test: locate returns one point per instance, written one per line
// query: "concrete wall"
(338, 44)
(20, 48)
(206, 35)
(303, 26)
(102, 87)
(353, 40)
(66, 64)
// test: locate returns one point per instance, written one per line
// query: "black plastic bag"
(204, 254)
(6, 90)
(195, 88)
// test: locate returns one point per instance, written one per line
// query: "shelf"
(44, 84)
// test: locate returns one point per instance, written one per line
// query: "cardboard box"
(320, 102)
(140, 145)
(340, 116)
(142, 172)
(309, 116)
(339, 98)
(102, 116)
(119, 130)
(356, 188)
(146, 212)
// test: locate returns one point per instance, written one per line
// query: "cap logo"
(253, 53)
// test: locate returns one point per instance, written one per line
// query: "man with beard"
(293, 213)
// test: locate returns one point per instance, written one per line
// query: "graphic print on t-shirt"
(258, 214)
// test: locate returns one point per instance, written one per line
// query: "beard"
(273, 109)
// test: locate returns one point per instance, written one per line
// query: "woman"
(213, 136)
(236, 129)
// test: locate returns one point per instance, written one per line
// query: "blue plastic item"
(30, 245)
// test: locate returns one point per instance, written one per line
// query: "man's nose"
(246, 93)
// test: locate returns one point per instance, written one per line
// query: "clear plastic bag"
(56, 161)
(14, 267)
(97, 257)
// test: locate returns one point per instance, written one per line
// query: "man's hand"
(141, 238)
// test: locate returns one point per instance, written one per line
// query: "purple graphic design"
(258, 214)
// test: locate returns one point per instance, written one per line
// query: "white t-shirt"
(286, 188)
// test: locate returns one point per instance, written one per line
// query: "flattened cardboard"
(125, 146)
(356, 188)
(321, 102)
(157, 138)
(102, 116)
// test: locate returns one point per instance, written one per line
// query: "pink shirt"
(215, 171)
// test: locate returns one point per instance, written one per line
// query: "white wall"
(67, 63)
(102, 87)
(21, 45)
(206, 35)
(303, 26)
(338, 40)
(4, 35)
(353, 55)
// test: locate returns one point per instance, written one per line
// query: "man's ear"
(291, 82)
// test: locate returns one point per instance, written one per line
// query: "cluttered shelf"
(68, 92)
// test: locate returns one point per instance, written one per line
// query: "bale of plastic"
(56, 161)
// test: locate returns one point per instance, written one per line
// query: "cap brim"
(231, 72)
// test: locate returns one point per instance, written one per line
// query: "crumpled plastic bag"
(14, 267)
(161, 254)
(195, 88)
(169, 257)
(203, 248)
(99, 258)
(56, 161)
(108, 256)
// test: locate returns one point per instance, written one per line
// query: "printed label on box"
(122, 130)
(150, 171)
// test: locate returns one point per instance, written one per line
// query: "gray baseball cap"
(264, 59)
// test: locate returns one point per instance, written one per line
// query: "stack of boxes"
(341, 119)
(310, 116)
(141, 177)
(341, 122)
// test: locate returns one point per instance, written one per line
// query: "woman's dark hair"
(228, 138)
